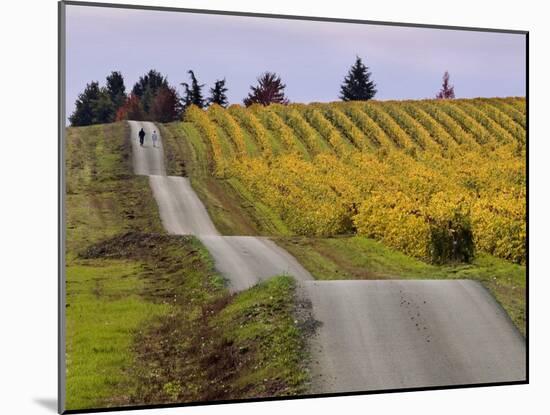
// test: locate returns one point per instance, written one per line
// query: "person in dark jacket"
(141, 137)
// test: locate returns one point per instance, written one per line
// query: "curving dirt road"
(374, 334)
(242, 260)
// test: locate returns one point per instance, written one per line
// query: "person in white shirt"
(155, 138)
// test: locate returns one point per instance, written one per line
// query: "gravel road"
(242, 260)
(406, 334)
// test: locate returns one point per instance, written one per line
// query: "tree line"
(152, 98)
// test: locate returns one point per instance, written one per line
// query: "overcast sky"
(311, 57)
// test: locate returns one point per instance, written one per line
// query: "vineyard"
(437, 179)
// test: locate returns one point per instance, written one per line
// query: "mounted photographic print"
(264, 207)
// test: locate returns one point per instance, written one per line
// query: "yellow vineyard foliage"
(225, 120)
(249, 121)
(430, 178)
(209, 133)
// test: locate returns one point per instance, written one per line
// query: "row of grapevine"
(468, 123)
(347, 168)
(304, 131)
(331, 135)
(390, 127)
(208, 130)
(509, 110)
(503, 120)
(519, 104)
(462, 137)
(494, 129)
(289, 183)
(412, 127)
(437, 132)
(254, 128)
(225, 120)
(349, 130)
(368, 127)
(277, 126)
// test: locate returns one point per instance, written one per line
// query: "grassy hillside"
(148, 319)
(328, 179)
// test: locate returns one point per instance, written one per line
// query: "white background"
(28, 204)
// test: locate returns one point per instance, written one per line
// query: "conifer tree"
(103, 109)
(93, 106)
(147, 86)
(84, 105)
(116, 89)
(218, 94)
(357, 84)
(193, 92)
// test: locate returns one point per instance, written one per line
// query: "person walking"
(155, 138)
(141, 135)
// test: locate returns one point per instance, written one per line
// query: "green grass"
(358, 257)
(122, 291)
(104, 309)
(104, 198)
(104, 303)
(260, 320)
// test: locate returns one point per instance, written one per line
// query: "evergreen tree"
(93, 106)
(217, 94)
(447, 90)
(116, 89)
(357, 84)
(270, 89)
(103, 108)
(193, 93)
(147, 87)
(84, 105)
(166, 105)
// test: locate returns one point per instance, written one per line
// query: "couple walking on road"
(154, 137)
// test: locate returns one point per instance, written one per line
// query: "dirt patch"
(188, 360)
(134, 245)
(303, 312)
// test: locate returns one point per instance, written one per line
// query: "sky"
(311, 57)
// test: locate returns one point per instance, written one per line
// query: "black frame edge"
(289, 17)
(61, 368)
(527, 273)
(289, 398)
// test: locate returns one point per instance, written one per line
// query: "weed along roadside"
(148, 317)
